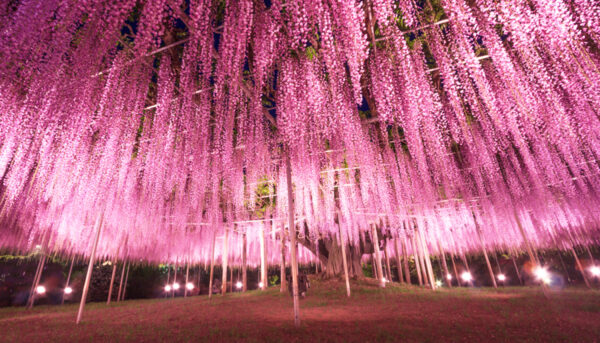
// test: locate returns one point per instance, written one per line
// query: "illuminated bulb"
(466, 276)
(68, 290)
(542, 274)
(168, 288)
(175, 286)
(438, 283)
(38, 246)
(238, 285)
(40, 290)
(189, 286)
(449, 276)
(384, 280)
(501, 277)
(595, 270)
(260, 285)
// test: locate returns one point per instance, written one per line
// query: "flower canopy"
(170, 121)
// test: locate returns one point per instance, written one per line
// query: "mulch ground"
(397, 313)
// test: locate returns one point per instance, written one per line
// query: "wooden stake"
(344, 261)
(398, 261)
(417, 262)
(36, 281)
(485, 254)
(263, 259)
(224, 260)
(244, 264)
(387, 260)
(444, 266)
(292, 232)
(405, 258)
(282, 264)
(427, 259)
(68, 279)
(123, 277)
(212, 265)
(187, 274)
(375, 242)
(125, 285)
(88, 276)
(112, 281)
(455, 270)
(585, 279)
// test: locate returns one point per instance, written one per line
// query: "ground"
(398, 313)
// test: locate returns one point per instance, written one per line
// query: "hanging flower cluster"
(169, 123)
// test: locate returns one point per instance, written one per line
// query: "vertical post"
(112, 281)
(292, 231)
(88, 276)
(224, 260)
(282, 275)
(36, 281)
(244, 264)
(123, 277)
(585, 279)
(263, 259)
(405, 258)
(375, 242)
(345, 262)
(421, 255)
(387, 260)
(187, 275)
(444, 266)
(398, 261)
(212, 264)
(417, 261)
(455, 270)
(68, 279)
(485, 254)
(427, 260)
(516, 269)
(125, 285)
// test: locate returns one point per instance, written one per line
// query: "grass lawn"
(397, 313)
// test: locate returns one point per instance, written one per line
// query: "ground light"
(501, 277)
(542, 274)
(175, 286)
(168, 288)
(68, 290)
(40, 290)
(238, 285)
(260, 285)
(448, 276)
(466, 276)
(595, 270)
(438, 283)
(189, 286)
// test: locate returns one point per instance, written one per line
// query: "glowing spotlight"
(168, 288)
(448, 276)
(466, 276)
(438, 283)
(40, 290)
(501, 277)
(542, 274)
(175, 286)
(238, 285)
(384, 280)
(68, 290)
(38, 247)
(260, 285)
(189, 286)
(595, 270)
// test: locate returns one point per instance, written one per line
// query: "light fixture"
(384, 280)
(595, 270)
(40, 289)
(175, 286)
(438, 283)
(466, 276)
(542, 274)
(501, 277)
(448, 276)
(168, 288)
(68, 290)
(189, 286)
(260, 284)
(238, 285)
